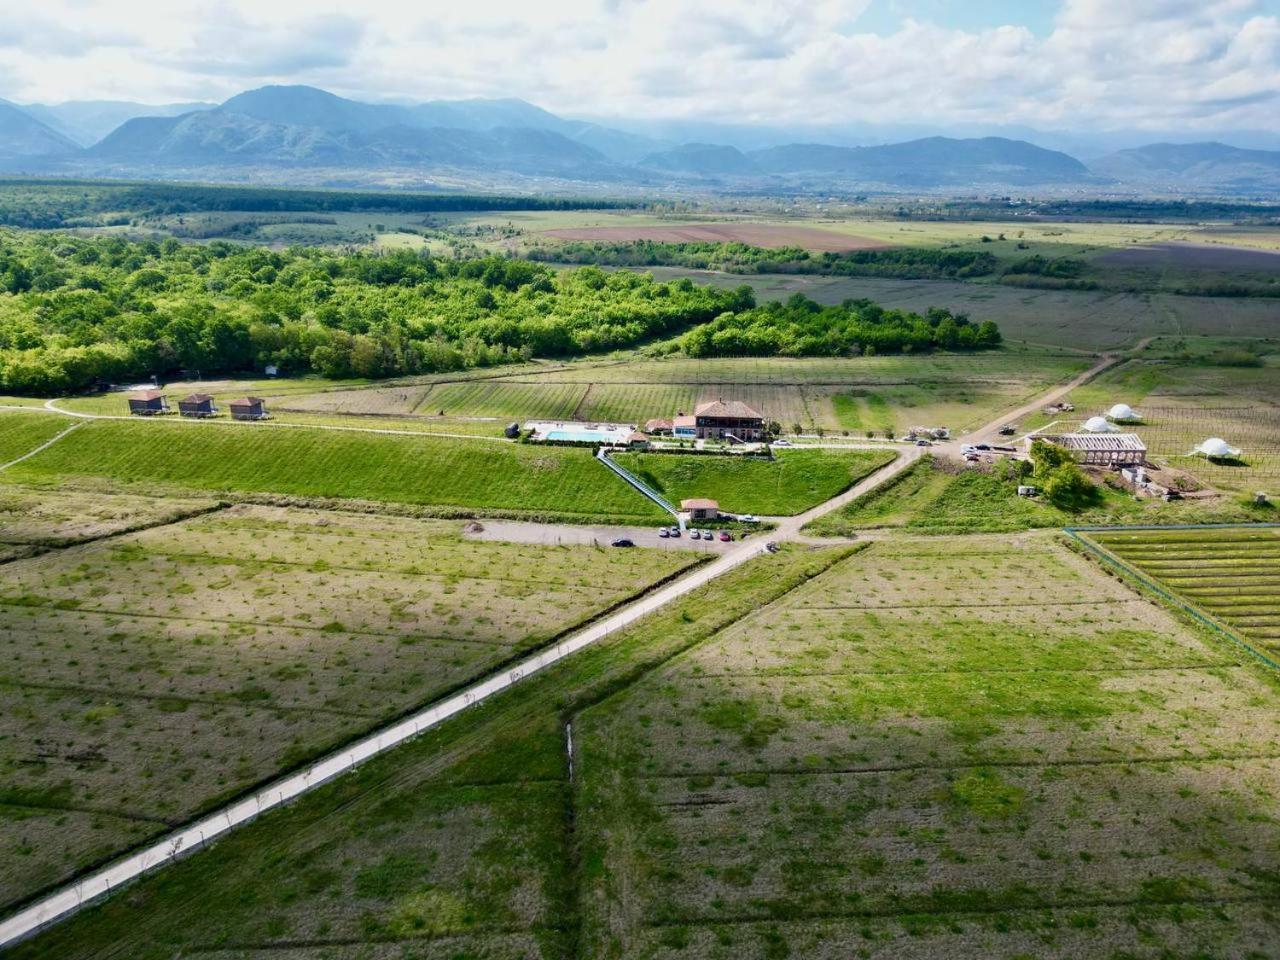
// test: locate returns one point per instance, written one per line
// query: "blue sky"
(885, 17)
(1188, 66)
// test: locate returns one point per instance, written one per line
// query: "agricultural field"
(880, 394)
(457, 476)
(1231, 573)
(456, 844)
(148, 676)
(941, 497)
(790, 483)
(36, 518)
(894, 760)
(1073, 319)
(828, 753)
(22, 432)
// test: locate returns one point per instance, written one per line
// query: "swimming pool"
(587, 436)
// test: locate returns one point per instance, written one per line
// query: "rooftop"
(1098, 441)
(198, 398)
(147, 395)
(699, 503)
(735, 409)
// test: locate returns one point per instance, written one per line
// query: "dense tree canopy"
(800, 327)
(900, 262)
(75, 310)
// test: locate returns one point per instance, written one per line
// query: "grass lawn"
(789, 484)
(260, 458)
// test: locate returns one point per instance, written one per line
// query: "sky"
(1188, 65)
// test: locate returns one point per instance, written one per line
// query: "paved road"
(73, 896)
(556, 534)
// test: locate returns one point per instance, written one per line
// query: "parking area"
(519, 531)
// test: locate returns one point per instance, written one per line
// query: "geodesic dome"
(1217, 447)
(1097, 425)
(1122, 411)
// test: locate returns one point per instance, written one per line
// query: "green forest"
(76, 312)
(802, 328)
(900, 263)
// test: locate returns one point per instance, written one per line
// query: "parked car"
(748, 518)
(923, 443)
(675, 532)
(664, 532)
(772, 546)
(695, 534)
(623, 542)
(782, 443)
(983, 446)
(725, 536)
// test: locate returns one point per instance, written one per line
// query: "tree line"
(898, 262)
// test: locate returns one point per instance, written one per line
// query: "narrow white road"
(71, 897)
(44, 446)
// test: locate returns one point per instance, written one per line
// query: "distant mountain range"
(277, 131)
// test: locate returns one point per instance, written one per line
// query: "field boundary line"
(44, 446)
(1205, 618)
(874, 769)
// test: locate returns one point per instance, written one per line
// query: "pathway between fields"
(72, 896)
(44, 446)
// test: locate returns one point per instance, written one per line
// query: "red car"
(725, 536)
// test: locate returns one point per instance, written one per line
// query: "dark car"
(623, 542)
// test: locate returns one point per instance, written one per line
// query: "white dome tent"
(1215, 448)
(1122, 411)
(1097, 425)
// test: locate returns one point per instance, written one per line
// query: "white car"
(695, 534)
(748, 518)
(782, 443)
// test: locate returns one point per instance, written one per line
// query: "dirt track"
(770, 235)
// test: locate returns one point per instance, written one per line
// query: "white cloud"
(1107, 64)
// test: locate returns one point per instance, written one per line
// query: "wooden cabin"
(149, 403)
(248, 408)
(197, 405)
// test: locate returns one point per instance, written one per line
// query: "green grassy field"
(1231, 573)
(789, 484)
(259, 458)
(150, 675)
(941, 498)
(935, 750)
(22, 432)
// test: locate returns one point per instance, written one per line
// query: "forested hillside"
(75, 311)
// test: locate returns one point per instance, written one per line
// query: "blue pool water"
(583, 436)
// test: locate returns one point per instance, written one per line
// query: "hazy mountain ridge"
(291, 127)
(22, 136)
(1209, 163)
